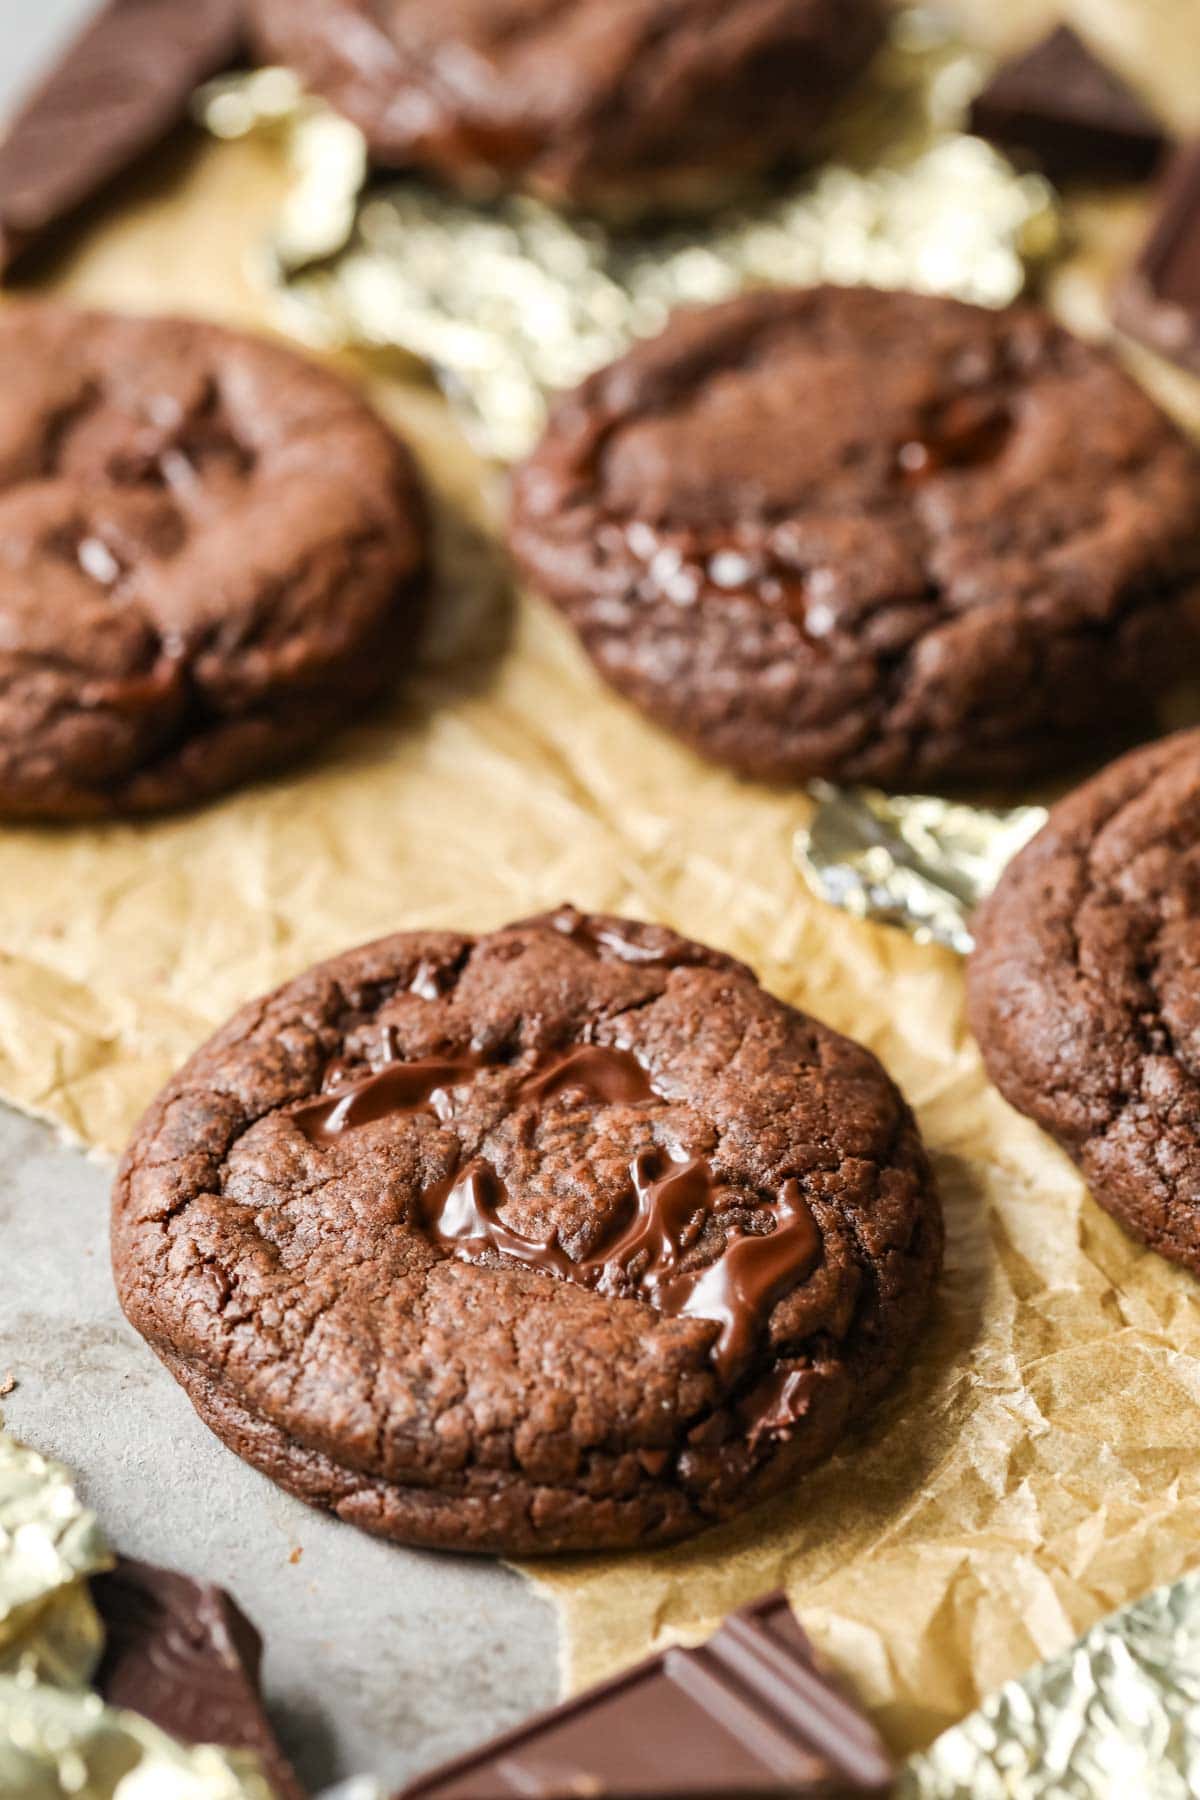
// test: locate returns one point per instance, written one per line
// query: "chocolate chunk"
(1062, 105)
(184, 1656)
(1159, 301)
(747, 1714)
(117, 91)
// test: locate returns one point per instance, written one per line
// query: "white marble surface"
(378, 1659)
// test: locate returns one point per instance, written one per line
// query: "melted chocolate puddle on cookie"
(462, 1216)
(670, 1200)
(398, 1087)
(613, 1077)
(737, 1291)
(751, 1274)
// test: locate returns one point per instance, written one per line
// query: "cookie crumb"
(297, 1553)
(8, 1385)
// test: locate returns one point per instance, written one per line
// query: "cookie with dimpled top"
(212, 553)
(873, 537)
(561, 1238)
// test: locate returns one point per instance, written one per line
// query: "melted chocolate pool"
(670, 1199)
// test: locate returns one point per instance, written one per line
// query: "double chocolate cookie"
(211, 552)
(871, 536)
(1084, 989)
(566, 1237)
(609, 104)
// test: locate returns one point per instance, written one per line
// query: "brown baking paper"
(1040, 1465)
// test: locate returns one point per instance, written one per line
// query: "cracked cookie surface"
(612, 104)
(872, 537)
(211, 553)
(561, 1238)
(1084, 993)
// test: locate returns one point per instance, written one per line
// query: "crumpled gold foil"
(56, 1744)
(508, 302)
(910, 859)
(56, 1737)
(49, 1545)
(1116, 1717)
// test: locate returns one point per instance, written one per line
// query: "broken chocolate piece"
(1159, 301)
(116, 92)
(184, 1656)
(1059, 103)
(747, 1714)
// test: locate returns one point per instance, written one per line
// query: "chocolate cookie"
(566, 1237)
(211, 552)
(610, 104)
(869, 536)
(1084, 990)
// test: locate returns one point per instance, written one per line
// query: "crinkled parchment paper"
(1041, 1463)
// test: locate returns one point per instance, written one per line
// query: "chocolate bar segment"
(1061, 105)
(184, 1656)
(117, 91)
(1159, 301)
(746, 1715)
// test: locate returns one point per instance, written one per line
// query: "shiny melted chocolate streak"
(669, 1198)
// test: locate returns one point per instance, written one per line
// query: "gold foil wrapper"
(56, 1744)
(56, 1737)
(1118, 1715)
(49, 1545)
(508, 302)
(912, 860)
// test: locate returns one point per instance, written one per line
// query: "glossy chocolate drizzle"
(397, 1088)
(670, 1199)
(753, 1272)
(778, 1402)
(612, 1077)
(643, 1261)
